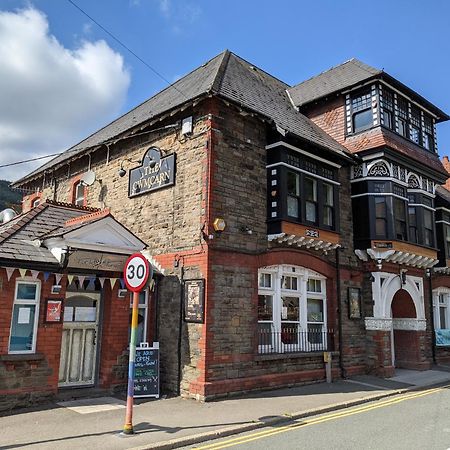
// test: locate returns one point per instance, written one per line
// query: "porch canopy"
(60, 236)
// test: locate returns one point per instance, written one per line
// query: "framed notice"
(194, 300)
(354, 303)
(53, 310)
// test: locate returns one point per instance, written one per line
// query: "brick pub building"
(281, 222)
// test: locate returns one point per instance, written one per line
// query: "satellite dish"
(88, 178)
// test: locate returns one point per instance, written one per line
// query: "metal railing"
(293, 340)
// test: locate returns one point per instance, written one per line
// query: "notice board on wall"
(146, 371)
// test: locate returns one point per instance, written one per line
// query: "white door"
(77, 365)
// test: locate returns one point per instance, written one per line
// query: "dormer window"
(415, 125)
(362, 117)
(402, 118)
(427, 133)
(388, 109)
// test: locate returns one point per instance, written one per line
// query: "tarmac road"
(417, 420)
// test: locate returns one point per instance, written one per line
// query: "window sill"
(22, 357)
(278, 356)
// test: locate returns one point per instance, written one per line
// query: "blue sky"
(292, 40)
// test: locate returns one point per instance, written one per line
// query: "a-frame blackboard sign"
(146, 372)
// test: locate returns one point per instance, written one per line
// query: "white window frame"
(36, 302)
(277, 292)
(76, 196)
(141, 306)
(437, 293)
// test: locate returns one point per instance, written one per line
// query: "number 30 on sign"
(136, 272)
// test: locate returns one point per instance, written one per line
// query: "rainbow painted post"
(128, 427)
(136, 274)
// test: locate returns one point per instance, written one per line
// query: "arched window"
(292, 309)
(79, 193)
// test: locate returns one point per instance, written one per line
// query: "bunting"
(58, 277)
(81, 279)
(70, 278)
(9, 272)
(34, 274)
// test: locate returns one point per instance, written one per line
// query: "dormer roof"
(348, 75)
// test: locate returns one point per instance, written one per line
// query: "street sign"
(136, 272)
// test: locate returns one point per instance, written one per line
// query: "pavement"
(96, 423)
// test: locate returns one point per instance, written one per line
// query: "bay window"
(414, 130)
(25, 315)
(400, 219)
(428, 227)
(380, 217)
(412, 219)
(293, 194)
(328, 204)
(291, 310)
(388, 109)
(402, 117)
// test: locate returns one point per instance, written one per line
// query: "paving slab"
(420, 378)
(174, 422)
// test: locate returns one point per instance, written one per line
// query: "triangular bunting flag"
(58, 277)
(23, 272)
(34, 274)
(102, 281)
(122, 283)
(70, 278)
(91, 284)
(46, 275)
(81, 279)
(113, 282)
(9, 271)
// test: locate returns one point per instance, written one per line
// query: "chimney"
(446, 164)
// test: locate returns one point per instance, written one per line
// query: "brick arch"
(297, 258)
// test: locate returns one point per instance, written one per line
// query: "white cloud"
(51, 96)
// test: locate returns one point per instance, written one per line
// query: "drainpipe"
(339, 302)
(180, 326)
(433, 334)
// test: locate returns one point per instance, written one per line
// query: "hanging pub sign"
(154, 173)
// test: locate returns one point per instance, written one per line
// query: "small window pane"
(415, 134)
(443, 317)
(314, 285)
(362, 120)
(265, 333)
(289, 283)
(293, 183)
(315, 310)
(292, 206)
(310, 189)
(289, 333)
(265, 307)
(315, 334)
(26, 291)
(290, 308)
(22, 328)
(310, 212)
(265, 280)
(328, 194)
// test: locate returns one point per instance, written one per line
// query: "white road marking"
(93, 405)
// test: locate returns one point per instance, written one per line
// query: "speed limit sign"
(136, 272)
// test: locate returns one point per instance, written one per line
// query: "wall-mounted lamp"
(402, 276)
(428, 272)
(219, 224)
(245, 229)
(122, 172)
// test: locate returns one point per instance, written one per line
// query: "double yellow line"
(320, 419)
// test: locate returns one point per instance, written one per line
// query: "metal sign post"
(136, 274)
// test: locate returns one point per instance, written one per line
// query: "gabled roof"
(347, 75)
(228, 76)
(17, 236)
(23, 239)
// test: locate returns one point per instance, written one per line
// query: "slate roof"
(337, 78)
(347, 75)
(443, 193)
(228, 76)
(16, 236)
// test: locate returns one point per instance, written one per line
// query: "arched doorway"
(404, 342)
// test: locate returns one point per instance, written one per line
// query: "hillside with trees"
(8, 197)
